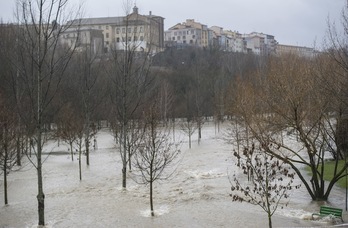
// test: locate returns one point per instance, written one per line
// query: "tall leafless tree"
(42, 66)
(129, 70)
(8, 132)
(157, 152)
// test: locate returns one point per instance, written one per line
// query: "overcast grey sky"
(294, 22)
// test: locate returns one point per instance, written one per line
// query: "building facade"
(134, 31)
(260, 44)
(297, 50)
(189, 33)
(82, 39)
(236, 41)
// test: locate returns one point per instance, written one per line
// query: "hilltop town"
(146, 33)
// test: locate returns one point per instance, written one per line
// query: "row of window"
(129, 30)
(106, 27)
(180, 33)
(135, 38)
(183, 37)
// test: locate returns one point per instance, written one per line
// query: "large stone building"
(135, 31)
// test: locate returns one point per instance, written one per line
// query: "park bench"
(325, 211)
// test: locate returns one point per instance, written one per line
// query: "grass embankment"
(329, 170)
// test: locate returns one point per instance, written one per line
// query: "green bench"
(325, 211)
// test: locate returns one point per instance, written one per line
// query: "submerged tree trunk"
(5, 185)
(269, 221)
(80, 171)
(124, 155)
(190, 140)
(5, 167)
(41, 195)
(18, 146)
(151, 198)
(129, 159)
(87, 149)
(72, 152)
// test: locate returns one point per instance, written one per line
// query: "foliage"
(269, 180)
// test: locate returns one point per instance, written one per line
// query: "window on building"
(193, 36)
(184, 37)
(191, 41)
(173, 38)
(141, 38)
(129, 39)
(107, 42)
(118, 39)
(184, 41)
(135, 38)
(129, 30)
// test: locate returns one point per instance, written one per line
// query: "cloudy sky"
(294, 22)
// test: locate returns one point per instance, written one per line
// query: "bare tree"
(289, 99)
(157, 151)
(189, 127)
(89, 65)
(8, 132)
(43, 62)
(269, 180)
(68, 126)
(129, 71)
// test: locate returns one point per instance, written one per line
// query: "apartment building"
(135, 31)
(260, 44)
(236, 42)
(192, 33)
(228, 40)
(189, 33)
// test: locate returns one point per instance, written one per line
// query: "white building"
(139, 32)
